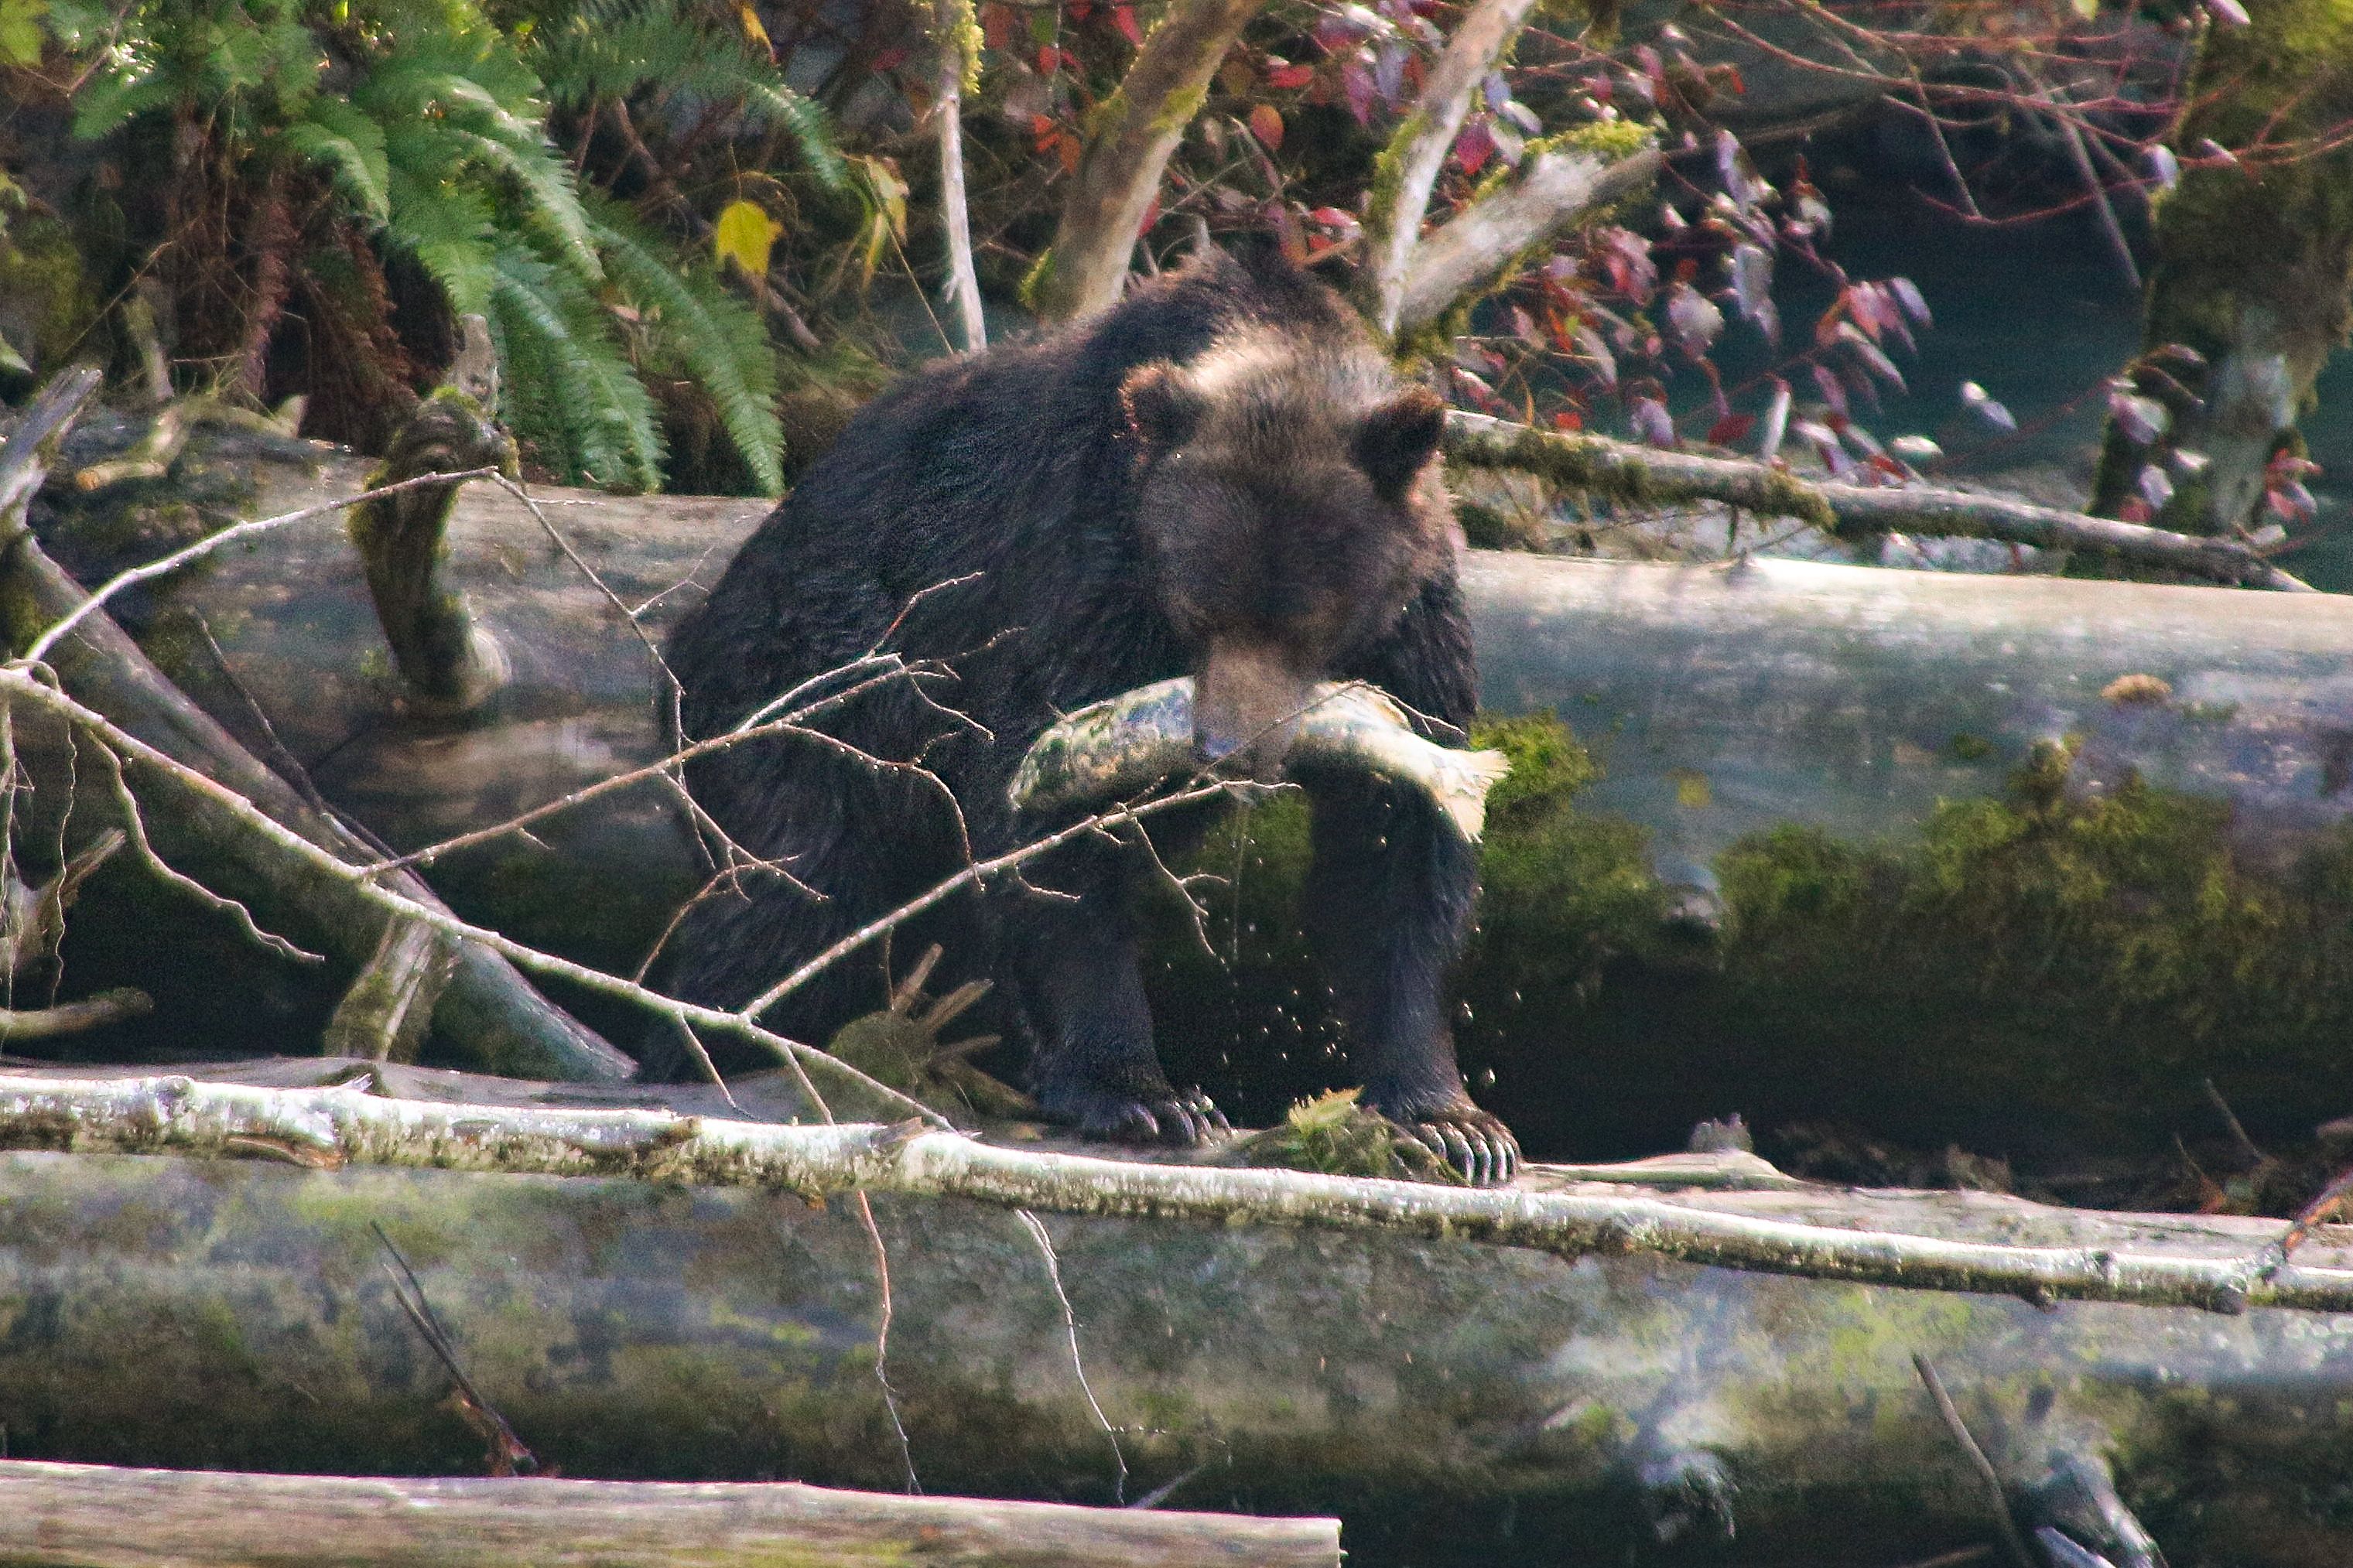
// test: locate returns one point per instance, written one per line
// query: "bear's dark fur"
(1220, 478)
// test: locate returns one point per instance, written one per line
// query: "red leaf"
(889, 59)
(1050, 58)
(1280, 74)
(996, 24)
(1067, 147)
(1080, 10)
(1728, 430)
(1151, 216)
(1333, 217)
(1123, 18)
(1266, 124)
(1569, 419)
(1475, 146)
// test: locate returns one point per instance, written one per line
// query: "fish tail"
(1465, 799)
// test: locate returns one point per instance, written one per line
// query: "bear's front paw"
(1180, 1118)
(1476, 1144)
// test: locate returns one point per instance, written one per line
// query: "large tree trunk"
(2254, 261)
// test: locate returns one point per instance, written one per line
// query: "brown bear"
(1222, 477)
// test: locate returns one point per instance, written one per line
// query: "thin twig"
(164, 565)
(20, 683)
(970, 876)
(1038, 1232)
(1997, 1500)
(508, 1455)
(135, 824)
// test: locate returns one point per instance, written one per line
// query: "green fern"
(436, 145)
(721, 341)
(613, 48)
(574, 392)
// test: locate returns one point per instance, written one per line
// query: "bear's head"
(1291, 508)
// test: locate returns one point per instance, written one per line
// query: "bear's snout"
(1247, 701)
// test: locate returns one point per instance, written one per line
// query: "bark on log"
(84, 1515)
(488, 1010)
(1455, 1401)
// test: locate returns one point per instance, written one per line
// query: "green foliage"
(1333, 1135)
(614, 48)
(427, 122)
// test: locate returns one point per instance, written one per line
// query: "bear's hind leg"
(1387, 907)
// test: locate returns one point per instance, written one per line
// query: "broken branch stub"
(1408, 167)
(449, 663)
(1475, 246)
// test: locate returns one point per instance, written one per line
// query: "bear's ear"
(1398, 439)
(1162, 407)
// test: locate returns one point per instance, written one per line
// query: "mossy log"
(95, 1516)
(1453, 1401)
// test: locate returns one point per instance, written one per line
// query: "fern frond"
(350, 145)
(721, 342)
(583, 404)
(447, 228)
(551, 200)
(615, 48)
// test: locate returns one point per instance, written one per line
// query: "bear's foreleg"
(1072, 950)
(1387, 908)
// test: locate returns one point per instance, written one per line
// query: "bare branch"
(1616, 469)
(347, 1123)
(135, 825)
(362, 885)
(1417, 152)
(163, 567)
(1474, 247)
(953, 30)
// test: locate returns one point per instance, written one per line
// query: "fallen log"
(349, 1124)
(92, 1516)
(1454, 1401)
(1813, 709)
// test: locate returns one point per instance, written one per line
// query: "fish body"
(1124, 745)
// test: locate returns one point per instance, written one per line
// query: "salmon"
(1124, 745)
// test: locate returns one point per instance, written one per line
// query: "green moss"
(1178, 113)
(2101, 953)
(1036, 282)
(46, 302)
(1335, 1136)
(2051, 968)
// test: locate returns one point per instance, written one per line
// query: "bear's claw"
(1476, 1144)
(1177, 1118)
